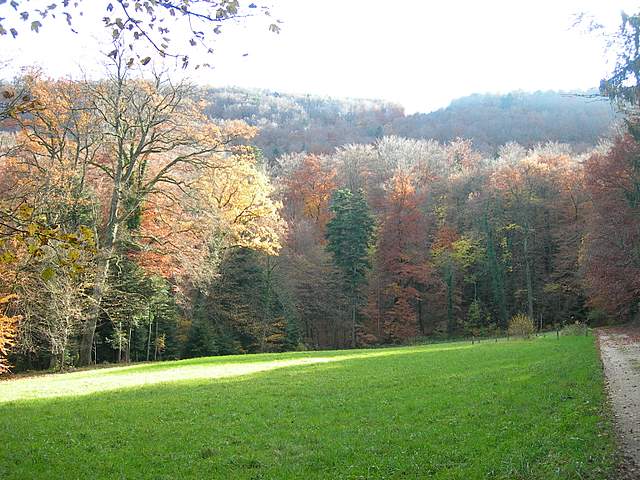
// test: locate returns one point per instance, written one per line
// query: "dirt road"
(620, 351)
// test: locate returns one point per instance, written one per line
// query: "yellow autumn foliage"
(8, 328)
(239, 196)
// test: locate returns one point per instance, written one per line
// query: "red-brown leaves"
(401, 269)
(611, 254)
(308, 192)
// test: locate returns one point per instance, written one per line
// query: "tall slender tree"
(349, 237)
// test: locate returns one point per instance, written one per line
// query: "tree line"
(118, 199)
(460, 242)
(134, 226)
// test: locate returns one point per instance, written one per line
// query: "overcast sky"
(419, 53)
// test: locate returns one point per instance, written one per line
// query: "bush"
(574, 329)
(8, 330)
(521, 325)
(597, 317)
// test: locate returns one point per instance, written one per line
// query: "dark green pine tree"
(349, 237)
(241, 311)
(138, 310)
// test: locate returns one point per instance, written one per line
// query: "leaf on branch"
(48, 273)
(25, 212)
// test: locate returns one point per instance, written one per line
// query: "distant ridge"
(294, 123)
(527, 118)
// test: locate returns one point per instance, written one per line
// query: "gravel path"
(620, 351)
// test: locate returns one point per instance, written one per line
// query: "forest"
(137, 225)
(143, 218)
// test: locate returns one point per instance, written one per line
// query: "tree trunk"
(89, 330)
(111, 230)
(379, 302)
(354, 290)
(155, 352)
(129, 344)
(495, 273)
(52, 362)
(266, 307)
(65, 341)
(420, 319)
(62, 355)
(149, 336)
(450, 323)
(119, 342)
(353, 323)
(529, 281)
(103, 272)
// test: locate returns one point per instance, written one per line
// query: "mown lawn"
(508, 410)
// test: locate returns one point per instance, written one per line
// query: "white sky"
(419, 53)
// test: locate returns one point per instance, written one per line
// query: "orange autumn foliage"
(309, 189)
(8, 330)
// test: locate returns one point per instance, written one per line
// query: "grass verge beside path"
(507, 410)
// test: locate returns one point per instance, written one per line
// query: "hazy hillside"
(292, 123)
(527, 118)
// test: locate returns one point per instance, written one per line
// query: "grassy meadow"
(507, 410)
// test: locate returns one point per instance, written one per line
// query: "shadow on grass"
(88, 382)
(521, 410)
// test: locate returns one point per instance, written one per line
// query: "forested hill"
(526, 118)
(294, 123)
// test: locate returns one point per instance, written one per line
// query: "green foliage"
(474, 317)
(350, 235)
(576, 328)
(597, 317)
(139, 310)
(292, 336)
(468, 252)
(203, 340)
(240, 311)
(209, 334)
(496, 270)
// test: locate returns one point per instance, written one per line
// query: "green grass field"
(509, 410)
